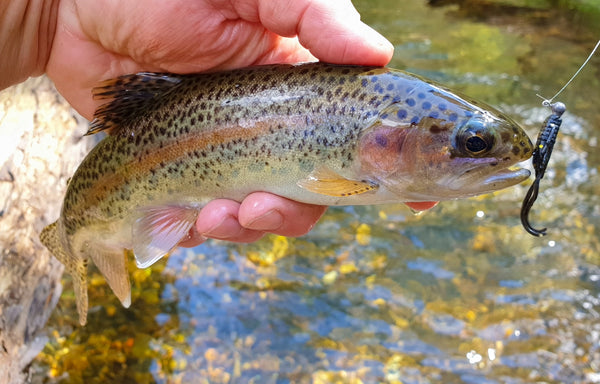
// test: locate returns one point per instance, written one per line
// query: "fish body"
(315, 133)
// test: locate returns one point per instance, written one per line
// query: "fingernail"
(270, 221)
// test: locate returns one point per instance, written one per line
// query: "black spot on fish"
(381, 140)
(402, 114)
(421, 95)
(436, 129)
(426, 105)
(411, 102)
(453, 117)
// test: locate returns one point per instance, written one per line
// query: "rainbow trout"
(316, 133)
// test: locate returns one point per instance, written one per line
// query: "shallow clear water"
(460, 294)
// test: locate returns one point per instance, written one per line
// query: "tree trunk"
(40, 146)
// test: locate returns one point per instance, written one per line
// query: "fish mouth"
(488, 175)
(506, 178)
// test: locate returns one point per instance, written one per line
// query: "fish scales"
(316, 133)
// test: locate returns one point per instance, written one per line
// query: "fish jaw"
(452, 178)
(483, 176)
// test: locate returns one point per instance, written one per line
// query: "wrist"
(27, 30)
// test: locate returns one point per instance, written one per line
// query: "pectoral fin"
(158, 230)
(327, 182)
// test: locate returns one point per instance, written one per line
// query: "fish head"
(481, 152)
(462, 149)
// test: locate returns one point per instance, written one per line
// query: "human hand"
(96, 40)
(100, 39)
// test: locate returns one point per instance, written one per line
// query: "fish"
(315, 133)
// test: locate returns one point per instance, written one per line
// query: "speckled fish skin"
(316, 133)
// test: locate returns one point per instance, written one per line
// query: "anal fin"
(327, 182)
(113, 265)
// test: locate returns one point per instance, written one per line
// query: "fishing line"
(543, 149)
(548, 102)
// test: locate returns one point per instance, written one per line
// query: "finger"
(422, 206)
(193, 240)
(266, 212)
(331, 30)
(219, 220)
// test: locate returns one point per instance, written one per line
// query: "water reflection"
(461, 294)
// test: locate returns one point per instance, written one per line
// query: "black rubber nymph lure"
(540, 158)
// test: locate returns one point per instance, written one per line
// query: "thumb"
(331, 30)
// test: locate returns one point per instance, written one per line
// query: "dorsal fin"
(127, 96)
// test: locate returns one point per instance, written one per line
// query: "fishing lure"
(541, 156)
(543, 150)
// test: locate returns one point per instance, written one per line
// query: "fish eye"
(475, 144)
(475, 139)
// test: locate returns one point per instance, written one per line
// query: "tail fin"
(76, 267)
